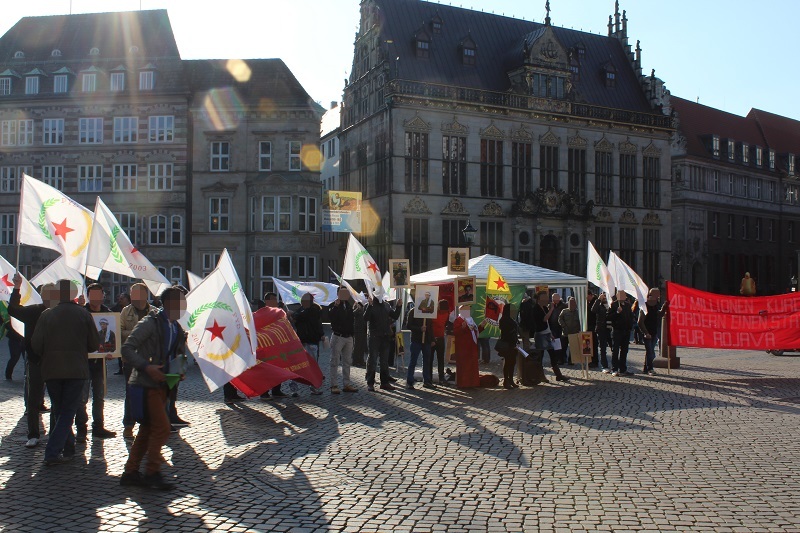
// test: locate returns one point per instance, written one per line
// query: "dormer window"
(610, 73)
(545, 86)
(745, 153)
(32, 85)
(94, 52)
(55, 53)
(19, 54)
(468, 56)
(423, 48)
(5, 86)
(89, 82)
(759, 156)
(731, 149)
(436, 24)
(772, 159)
(146, 80)
(117, 81)
(715, 145)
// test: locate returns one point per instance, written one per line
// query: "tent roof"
(513, 272)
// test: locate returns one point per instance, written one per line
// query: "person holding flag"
(380, 315)
(622, 317)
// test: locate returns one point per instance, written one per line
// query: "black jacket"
(342, 318)
(415, 325)
(29, 316)
(622, 320)
(600, 313)
(381, 316)
(308, 323)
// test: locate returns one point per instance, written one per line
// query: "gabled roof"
(75, 35)
(513, 272)
(696, 121)
(500, 41)
(782, 134)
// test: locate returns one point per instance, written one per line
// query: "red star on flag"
(373, 267)
(500, 284)
(62, 229)
(216, 331)
(7, 283)
(134, 250)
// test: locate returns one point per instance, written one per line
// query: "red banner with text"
(707, 320)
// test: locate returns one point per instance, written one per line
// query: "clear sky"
(731, 54)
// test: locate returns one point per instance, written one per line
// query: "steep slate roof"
(74, 35)
(696, 121)
(261, 78)
(499, 43)
(781, 133)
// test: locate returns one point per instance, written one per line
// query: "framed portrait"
(542, 288)
(398, 273)
(426, 301)
(465, 289)
(458, 261)
(108, 329)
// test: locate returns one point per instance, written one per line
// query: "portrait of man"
(108, 329)
(466, 290)
(458, 261)
(426, 298)
(399, 270)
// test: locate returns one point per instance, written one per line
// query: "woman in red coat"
(466, 334)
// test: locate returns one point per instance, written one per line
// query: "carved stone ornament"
(417, 206)
(604, 216)
(604, 145)
(549, 138)
(651, 219)
(220, 187)
(652, 151)
(455, 127)
(576, 142)
(416, 124)
(455, 207)
(627, 217)
(521, 134)
(627, 147)
(492, 209)
(493, 132)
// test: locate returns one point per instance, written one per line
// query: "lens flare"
(239, 70)
(370, 220)
(222, 108)
(311, 157)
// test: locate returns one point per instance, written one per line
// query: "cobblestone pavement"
(712, 446)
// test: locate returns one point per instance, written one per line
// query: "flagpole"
(19, 245)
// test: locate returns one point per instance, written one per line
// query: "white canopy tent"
(515, 273)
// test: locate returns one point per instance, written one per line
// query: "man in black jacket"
(380, 315)
(421, 342)
(621, 314)
(342, 319)
(308, 324)
(599, 311)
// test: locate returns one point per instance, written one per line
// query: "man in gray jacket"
(155, 346)
(63, 338)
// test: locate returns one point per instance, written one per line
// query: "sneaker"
(392, 380)
(181, 423)
(606, 371)
(156, 481)
(371, 388)
(562, 378)
(127, 433)
(615, 374)
(103, 433)
(131, 479)
(315, 391)
(58, 460)
(234, 399)
(387, 386)
(349, 388)
(335, 390)
(32, 443)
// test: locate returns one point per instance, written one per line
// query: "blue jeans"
(650, 352)
(416, 348)
(65, 399)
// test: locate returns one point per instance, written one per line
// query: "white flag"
(216, 335)
(111, 250)
(27, 294)
(357, 296)
(597, 272)
(58, 270)
(627, 280)
(292, 291)
(359, 264)
(228, 271)
(194, 279)
(389, 291)
(50, 219)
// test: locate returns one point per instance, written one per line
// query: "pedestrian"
(524, 320)
(123, 301)
(650, 324)
(466, 332)
(508, 346)
(543, 337)
(308, 324)
(591, 324)
(380, 314)
(63, 338)
(97, 379)
(570, 322)
(439, 335)
(557, 305)
(151, 350)
(34, 384)
(621, 313)
(340, 313)
(271, 300)
(421, 342)
(130, 316)
(600, 312)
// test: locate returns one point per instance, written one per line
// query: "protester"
(650, 324)
(130, 316)
(175, 421)
(271, 300)
(439, 346)
(591, 325)
(151, 350)
(421, 342)
(308, 324)
(34, 384)
(123, 301)
(621, 314)
(380, 315)
(466, 333)
(360, 343)
(97, 379)
(508, 346)
(600, 312)
(748, 285)
(570, 322)
(340, 313)
(543, 336)
(63, 338)
(557, 305)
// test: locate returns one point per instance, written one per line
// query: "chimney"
(334, 104)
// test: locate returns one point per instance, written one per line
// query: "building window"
(210, 263)
(307, 267)
(126, 129)
(60, 83)
(651, 182)
(161, 129)
(284, 266)
(361, 169)
(771, 230)
(90, 130)
(127, 222)
(90, 178)
(758, 186)
(53, 175)
(651, 251)
(158, 229)
(468, 56)
(521, 169)
(32, 85)
(454, 165)
(125, 178)
(745, 153)
(416, 243)
(545, 86)
(264, 156)
(715, 145)
(159, 176)
(715, 224)
(25, 135)
(423, 50)
(218, 213)
(9, 133)
(452, 236)
(627, 246)
(731, 189)
(731, 149)
(220, 156)
(745, 224)
(263, 269)
(416, 159)
(758, 230)
(176, 230)
(295, 163)
(771, 191)
(790, 163)
(603, 239)
(491, 236)
(307, 215)
(146, 79)
(53, 131)
(604, 178)
(745, 186)
(611, 78)
(88, 83)
(576, 173)
(176, 275)
(5, 86)
(491, 168)
(381, 163)
(548, 172)
(715, 180)
(117, 81)
(8, 229)
(772, 159)
(759, 156)
(272, 208)
(730, 226)
(627, 180)
(9, 180)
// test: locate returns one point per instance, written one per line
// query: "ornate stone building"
(543, 137)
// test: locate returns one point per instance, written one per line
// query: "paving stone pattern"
(712, 446)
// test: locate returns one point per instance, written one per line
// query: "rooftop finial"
(616, 16)
(610, 26)
(547, 8)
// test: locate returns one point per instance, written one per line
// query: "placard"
(398, 273)
(581, 346)
(108, 329)
(426, 301)
(341, 211)
(465, 290)
(458, 261)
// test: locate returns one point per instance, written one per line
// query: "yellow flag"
(495, 283)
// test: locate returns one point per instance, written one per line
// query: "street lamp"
(469, 233)
(793, 284)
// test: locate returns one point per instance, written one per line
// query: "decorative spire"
(624, 23)
(547, 8)
(616, 16)
(610, 26)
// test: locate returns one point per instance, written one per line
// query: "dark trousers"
(127, 418)
(619, 353)
(34, 397)
(438, 348)
(485, 349)
(229, 391)
(554, 359)
(152, 435)
(359, 347)
(97, 373)
(509, 364)
(415, 349)
(601, 347)
(16, 349)
(65, 399)
(379, 348)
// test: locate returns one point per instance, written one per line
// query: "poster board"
(108, 329)
(581, 348)
(399, 273)
(426, 301)
(465, 290)
(341, 211)
(458, 261)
